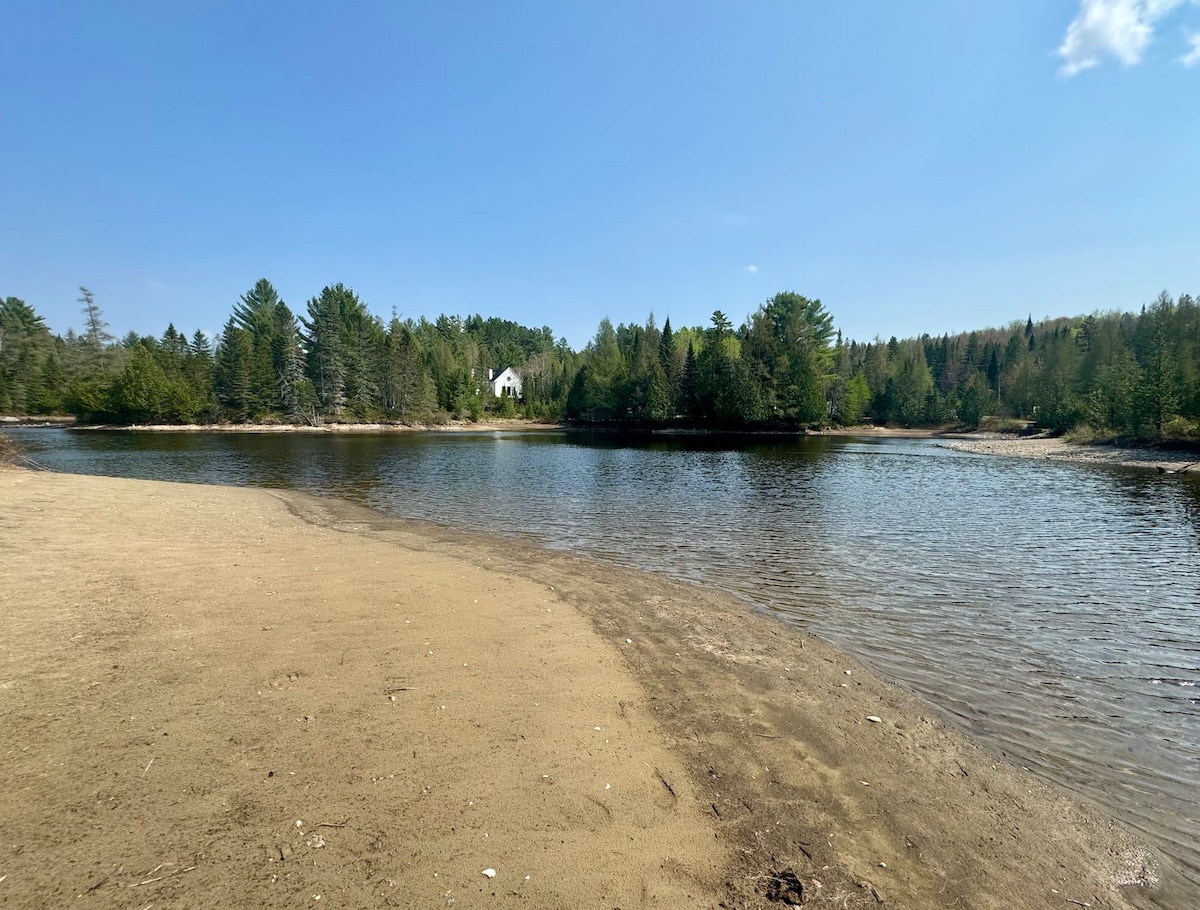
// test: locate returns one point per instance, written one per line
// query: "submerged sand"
(229, 697)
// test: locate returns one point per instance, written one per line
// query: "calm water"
(1054, 610)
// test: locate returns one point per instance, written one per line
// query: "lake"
(1051, 610)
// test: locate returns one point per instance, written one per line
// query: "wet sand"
(236, 697)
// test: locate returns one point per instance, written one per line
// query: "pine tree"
(25, 345)
(407, 388)
(255, 314)
(233, 379)
(689, 391)
(95, 328)
(326, 355)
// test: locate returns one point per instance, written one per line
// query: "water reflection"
(1051, 608)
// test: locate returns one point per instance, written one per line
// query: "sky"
(919, 167)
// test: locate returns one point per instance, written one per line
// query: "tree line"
(334, 361)
(1133, 375)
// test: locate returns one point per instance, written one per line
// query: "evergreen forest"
(1128, 375)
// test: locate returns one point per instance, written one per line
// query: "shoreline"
(742, 747)
(1165, 461)
(453, 426)
(497, 424)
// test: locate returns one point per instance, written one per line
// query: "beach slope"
(228, 697)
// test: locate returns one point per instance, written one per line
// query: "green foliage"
(140, 394)
(776, 367)
(87, 398)
(337, 363)
(910, 387)
(975, 401)
(27, 360)
(1121, 374)
(857, 400)
(408, 392)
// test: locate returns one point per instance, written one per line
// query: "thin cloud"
(751, 270)
(1192, 57)
(1120, 29)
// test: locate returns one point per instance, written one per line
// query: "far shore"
(40, 420)
(452, 426)
(1163, 459)
(268, 698)
(497, 424)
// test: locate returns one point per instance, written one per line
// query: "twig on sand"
(1077, 903)
(392, 689)
(663, 779)
(332, 824)
(147, 768)
(98, 882)
(161, 877)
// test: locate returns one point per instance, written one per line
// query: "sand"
(241, 698)
(1058, 449)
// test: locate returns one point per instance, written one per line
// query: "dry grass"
(10, 450)
(12, 454)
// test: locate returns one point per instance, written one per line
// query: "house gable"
(506, 382)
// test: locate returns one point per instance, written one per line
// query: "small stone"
(490, 873)
(873, 719)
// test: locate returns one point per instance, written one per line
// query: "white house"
(505, 383)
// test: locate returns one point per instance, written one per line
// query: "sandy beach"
(245, 698)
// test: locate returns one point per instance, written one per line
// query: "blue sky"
(933, 166)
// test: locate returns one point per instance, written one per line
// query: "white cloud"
(1122, 29)
(751, 270)
(1192, 57)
